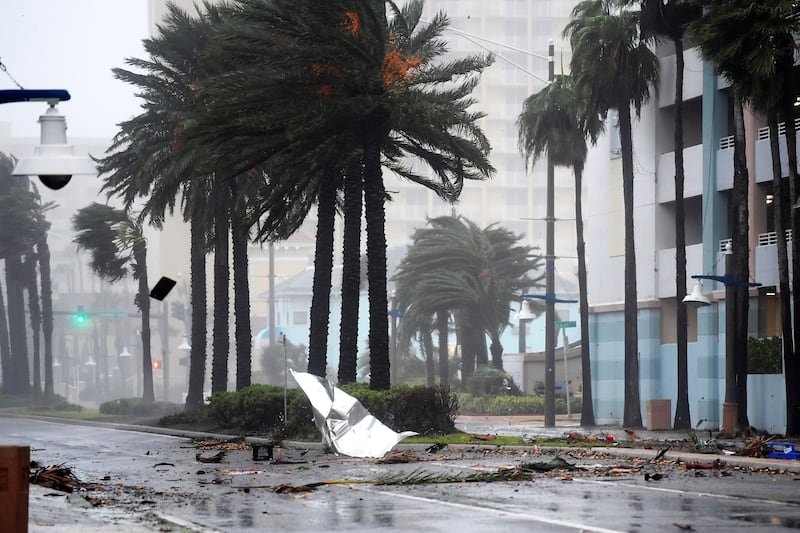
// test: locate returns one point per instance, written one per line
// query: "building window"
(299, 318)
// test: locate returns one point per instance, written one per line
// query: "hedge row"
(259, 409)
(470, 404)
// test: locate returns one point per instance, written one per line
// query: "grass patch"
(496, 440)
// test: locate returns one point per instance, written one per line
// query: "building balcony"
(766, 257)
(692, 78)
(725, 164)
(763, 155)
(666, 269)
(692, 170)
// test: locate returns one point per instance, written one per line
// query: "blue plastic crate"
(782, 450)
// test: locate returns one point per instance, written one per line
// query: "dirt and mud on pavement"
(237, 482)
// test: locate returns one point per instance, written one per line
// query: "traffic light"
(157, 364)
(80, 318)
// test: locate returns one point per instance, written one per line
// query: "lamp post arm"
(33, 95)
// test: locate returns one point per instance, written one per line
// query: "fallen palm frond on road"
(520, 472)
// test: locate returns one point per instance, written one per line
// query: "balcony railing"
(767, 239)
(763, 133)
(726, 142)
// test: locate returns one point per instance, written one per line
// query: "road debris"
(346, 425)
(215, 458)
(57, 477)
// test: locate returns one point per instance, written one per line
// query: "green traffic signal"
(80, 318)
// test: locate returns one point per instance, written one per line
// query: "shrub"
(512, 405)
(764, 356)
(259, 408)
(489, 380)
(138, 407)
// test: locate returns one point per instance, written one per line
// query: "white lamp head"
(525, 312)
(697, 297)
(54, 161)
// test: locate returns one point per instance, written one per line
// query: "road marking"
(688, 492)
(490, 510)
(180, 522)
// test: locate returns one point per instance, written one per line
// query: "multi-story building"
(708, 163)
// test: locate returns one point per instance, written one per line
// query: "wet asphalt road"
(140, 482)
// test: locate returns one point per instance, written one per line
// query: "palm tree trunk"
(430, 364)
(682, 414)
(5, 351)
(323, 267)
(374, 197)
(587, 406)
(442, 325)
(351, 277)
(47, 314)
(143, 300)
(791, 365)
(220, 344)
(740, 264)
(241, 296)
(197, 355)
(18, 341)
(36, 321)
(632, 416)
(496, 349)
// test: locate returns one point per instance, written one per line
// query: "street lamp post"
(730, 408)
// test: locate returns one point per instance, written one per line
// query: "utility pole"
(550, 327)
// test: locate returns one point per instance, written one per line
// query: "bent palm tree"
(116, 244)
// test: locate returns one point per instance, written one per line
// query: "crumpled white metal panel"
(346, 426)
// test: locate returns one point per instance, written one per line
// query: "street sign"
(570, 324)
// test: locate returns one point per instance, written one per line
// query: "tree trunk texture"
(587, 405)
(740, 264)
(199, 311)
(143, 299)
(241, 296)
(35, 313)
(442, 319)
(18, 338)
(375, 214)
(791, 364)
(47, 314)
(323, 266)
(682, 414)
(632, 416)
(351, 277)
(220, 348)
(5, 351)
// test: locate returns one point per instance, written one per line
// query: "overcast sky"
(72, 45)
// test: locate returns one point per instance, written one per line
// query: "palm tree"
(152, 157)
(758, 61)
(345, 70)
(21, 225)
(551, 123)
(116, 244)
(455, 265)
(46, 291)
(614, 68)
(669, 19)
